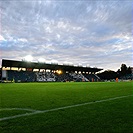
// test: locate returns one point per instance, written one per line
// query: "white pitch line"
(60, 108)
(25, 109)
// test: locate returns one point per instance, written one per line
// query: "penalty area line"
(61, 108)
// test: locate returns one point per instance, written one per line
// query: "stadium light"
(28, 58)
(59, 71)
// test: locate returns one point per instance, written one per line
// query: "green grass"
(114, 116)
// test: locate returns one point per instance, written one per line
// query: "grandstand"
(23, 71)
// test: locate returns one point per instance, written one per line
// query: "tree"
(129, 71)
(123, 69)
(108, 74)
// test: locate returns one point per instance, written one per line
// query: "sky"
(95, 33)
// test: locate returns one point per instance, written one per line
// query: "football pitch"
(67, 107)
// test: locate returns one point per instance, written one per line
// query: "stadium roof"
(39, 65)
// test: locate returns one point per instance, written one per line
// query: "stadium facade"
(23, 71)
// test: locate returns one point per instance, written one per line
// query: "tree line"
(109, 74)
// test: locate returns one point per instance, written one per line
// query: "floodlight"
(59, 71)
(28, 58)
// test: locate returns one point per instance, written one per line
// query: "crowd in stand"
(45, 76)
(29, 76)
(79, 77)
(21, 76)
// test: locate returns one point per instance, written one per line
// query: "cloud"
(85, 32)
(2, 38)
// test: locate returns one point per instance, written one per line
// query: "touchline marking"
(61, 108)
